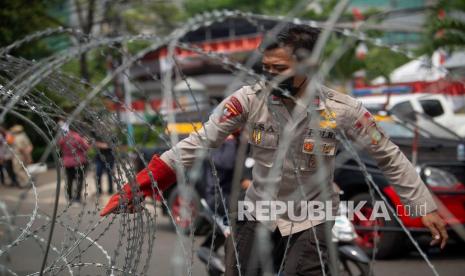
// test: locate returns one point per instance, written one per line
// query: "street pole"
(127, 99)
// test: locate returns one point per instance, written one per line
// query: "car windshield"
(395, 129)
(403, 123)
(433, 129)
(426, 128)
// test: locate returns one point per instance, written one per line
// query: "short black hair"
(298, 37)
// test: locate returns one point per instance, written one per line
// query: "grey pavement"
(166, 257)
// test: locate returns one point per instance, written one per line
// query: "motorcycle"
(353, 261)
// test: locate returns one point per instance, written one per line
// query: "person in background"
(6, 157)
(73, 149)
(23, 147)
(104, 162)
(2, 153)
(224, 159)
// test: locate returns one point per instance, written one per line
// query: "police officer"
(306, 170)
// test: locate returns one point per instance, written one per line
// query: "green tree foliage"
(445, 26)
(382, 61)
(193, 7)
(21, 17)
(379, 61)
(151, 17)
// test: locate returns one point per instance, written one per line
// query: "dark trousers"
(301, 257)
(101, 167)
(8, 165)
(2, 176)
(74, 174)
(217, 242)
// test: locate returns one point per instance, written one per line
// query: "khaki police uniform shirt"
(307, 168)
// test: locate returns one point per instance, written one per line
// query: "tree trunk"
(86, 27)
(84, 68)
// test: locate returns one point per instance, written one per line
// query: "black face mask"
(286, 85)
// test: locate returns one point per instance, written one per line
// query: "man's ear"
(302, 54)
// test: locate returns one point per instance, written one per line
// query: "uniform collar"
(316, 104)
(302, 111)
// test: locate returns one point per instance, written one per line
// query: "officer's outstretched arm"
(229, 116)
(394, 164)
(398, 169)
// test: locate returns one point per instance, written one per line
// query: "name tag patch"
(322, 133)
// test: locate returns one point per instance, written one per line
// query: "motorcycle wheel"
(214, 272)
(176, 202)
(389, 244)
(351, 268)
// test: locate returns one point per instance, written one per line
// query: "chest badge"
(311, 147)
(327, 119)
(308, 146)
(257, 136)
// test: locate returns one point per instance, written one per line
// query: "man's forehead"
(277, 55)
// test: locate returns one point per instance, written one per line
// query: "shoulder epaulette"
(339, 97)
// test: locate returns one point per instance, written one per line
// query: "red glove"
(162, 174)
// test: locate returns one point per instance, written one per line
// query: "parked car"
(437, 106)
(439, 160)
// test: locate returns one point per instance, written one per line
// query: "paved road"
(167, 257)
